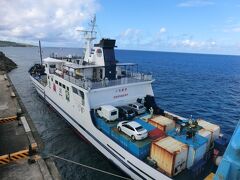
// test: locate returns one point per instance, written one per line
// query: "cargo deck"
(142, 149)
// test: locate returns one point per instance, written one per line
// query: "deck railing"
(90, 84)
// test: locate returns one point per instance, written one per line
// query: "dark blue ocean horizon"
(199, 85)
(204, 86)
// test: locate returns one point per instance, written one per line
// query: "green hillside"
(13, 44)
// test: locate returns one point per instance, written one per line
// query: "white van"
(108, 112)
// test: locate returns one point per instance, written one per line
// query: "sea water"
(197, 85)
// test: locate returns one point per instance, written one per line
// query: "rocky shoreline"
(6, 64)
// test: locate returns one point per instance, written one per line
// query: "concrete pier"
(20, 144)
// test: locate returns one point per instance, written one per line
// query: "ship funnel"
(107, 46)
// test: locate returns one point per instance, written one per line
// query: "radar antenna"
(89, 36)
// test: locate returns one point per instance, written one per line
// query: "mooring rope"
(89, 167)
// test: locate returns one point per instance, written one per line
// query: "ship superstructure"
(79, 88)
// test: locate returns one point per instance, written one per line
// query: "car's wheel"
(133, 138)
(119, 129)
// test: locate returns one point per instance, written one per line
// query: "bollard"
(31, 160)
(19, 114)
(30, 150)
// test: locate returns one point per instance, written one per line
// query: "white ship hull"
(83, 123)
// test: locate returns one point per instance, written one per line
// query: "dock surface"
(20, 144)
(8, 105)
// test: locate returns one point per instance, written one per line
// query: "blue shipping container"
(198, 168)
(147, 126)
(197, 146)
(140, 149)
(105, 126)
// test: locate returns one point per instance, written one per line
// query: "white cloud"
(194, 44)
(139, 39)
(189, 43)
(195, 3)
(130, 36)
(231, 25)
(130, 33)
(162, 30)
(213, 43)
(230, 20)
(236, 29)
(49, 20)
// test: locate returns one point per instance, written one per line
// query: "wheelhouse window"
(81, 94)
(74, 90)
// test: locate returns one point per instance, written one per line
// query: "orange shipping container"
(170, 155)
(162, 123)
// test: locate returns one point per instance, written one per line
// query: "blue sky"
(197, 26)
(187, 26)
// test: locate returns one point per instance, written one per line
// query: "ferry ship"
(95, 94)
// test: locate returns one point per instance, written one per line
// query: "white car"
(132, 129)
(138, 108)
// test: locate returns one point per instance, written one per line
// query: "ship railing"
(91, 84)
(142, 76)
(108, 83)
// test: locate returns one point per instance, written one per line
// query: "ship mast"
(40, 51)
(89, 36)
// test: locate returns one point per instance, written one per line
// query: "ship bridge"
(99, 69)
(93, 76)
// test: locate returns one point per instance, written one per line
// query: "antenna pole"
(40, 51)
(89, 35)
